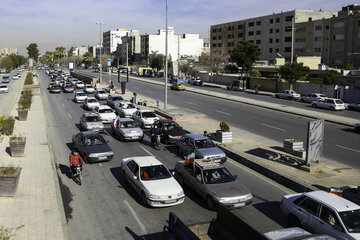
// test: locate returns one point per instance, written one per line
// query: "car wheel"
(166, 140)
(350, 108)
(314, 105)
(302, 100)
(143, 199)
(277, 96)
(122, 139)
(332, 108)
(294, 221)
(357, 129)
(210, 203)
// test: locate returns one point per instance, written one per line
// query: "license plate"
(134, 137)
(239, 204)
(102, 158)
(170, 201)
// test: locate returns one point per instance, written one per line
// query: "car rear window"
(105, 111)
(339, 102)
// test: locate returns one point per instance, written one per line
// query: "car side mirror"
(235, 177)
(173, 173)
(135, 177)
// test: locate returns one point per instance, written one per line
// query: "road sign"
(109, 62)
(31, 62)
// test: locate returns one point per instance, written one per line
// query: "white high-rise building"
(112, 38)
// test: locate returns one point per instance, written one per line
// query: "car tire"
(294, 221)
(357, 129)
(314, 105)
(166, 140)
(143, 199)
(332, 108)
(302, 100)
(210, 203)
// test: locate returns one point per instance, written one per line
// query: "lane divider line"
(69, 116)
(269, 126)
(354, 150)
(147, 151)
(135, 216)
(223, 112)
(191, 103)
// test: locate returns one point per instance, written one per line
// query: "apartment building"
(95, 50)
(131, 47)
(272, 33)
(112, 38)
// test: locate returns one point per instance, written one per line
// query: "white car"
(329, 103)
(324, 213)
(145, 118)
(101, 94)
(105, 113)
(152, 181)
(312, 97)
(80, 84)
(288, 94)
(4, 88)
(125, 109)
(195, 81)
(15, 77)
(89, 88)
(90, 103)
(79, 96)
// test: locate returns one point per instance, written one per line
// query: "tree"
(255, 73)
(329, 77)
(60, 52)
(245, 54)
(33, 51)
(156, 61)
(18, 60)
(7, 63)
(231, 68)
(293, 72)
(348, 66)
(184, 67)
(215, 61)
(70, 52)
(88, 59)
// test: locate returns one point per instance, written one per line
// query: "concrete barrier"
(88, 79)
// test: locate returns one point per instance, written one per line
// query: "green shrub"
(6, 233)
(8, 170)
(7, 126)
(29, 79)
(25, 100)
(224, 126)
(255, 73)
(134, 93)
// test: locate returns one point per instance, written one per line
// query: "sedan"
(15, 77)
(80, 84)
(105, 113)
(51, 84)
(324, 213)
(91, 122)
(357, 127)
(126, 129)
(68, 88)
(92, 147)
(288, 94)
(112, 100)
(329, 103)
(312, 97)
(90, 103)
(101, 94)
(89, 88)
(79, 96)
(4, 88)
(354, 106)
(152, 181)
(125, 109)
(214, 183)
(6, 79)
(178, 86)
(202, 146)
(171, 130)
(55, 89)
(195, 81)
(145, 118)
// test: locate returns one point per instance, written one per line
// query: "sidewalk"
(36, 211)
(267, 157)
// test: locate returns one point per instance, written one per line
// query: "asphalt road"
(341, 143)
(104, 208)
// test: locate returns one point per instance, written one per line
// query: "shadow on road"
(65, 170)
(272, 210)
(151, 236)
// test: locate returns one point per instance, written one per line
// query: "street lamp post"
(292, 39)
(100, 23)
(166, 56)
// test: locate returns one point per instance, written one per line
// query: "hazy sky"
(51, 23)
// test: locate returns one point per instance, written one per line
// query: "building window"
(339, 37)
(299, 39)
(258, 32)
(288, 18)
(287, 39)
(251, 24)
(288, 29)
(240, 26)
(318, 39)
(277, 40)
(270, 40)
(219, 37)
(277, 20)
(214, 30)
(258, 41)
(252, 41)
(214, 45)
(258, 23)
(214, 38)
(302, 29)
(327, 27)
(310, 19)
(277, 30)
(276, 50)
(251, 33)
(219, 29)
(299, 50)
(219, 45)
(287, 49)
(339, 49)
(229, 52)
(271, 20)
(325, 50)
(318, 28)
(270, 50)
(339, 25)
(358, 22)
(240, 35)
(317, 49)
(229, 35)
(271, 30)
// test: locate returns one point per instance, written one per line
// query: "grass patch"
(29, 79)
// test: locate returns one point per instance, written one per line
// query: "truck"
(143, 71)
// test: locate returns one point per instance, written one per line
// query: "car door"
(329, 224)
(189, 175)
(80, 144)
(307, 211)
(131, 171)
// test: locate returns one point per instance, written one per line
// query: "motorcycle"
(157, 142)
(77, 175)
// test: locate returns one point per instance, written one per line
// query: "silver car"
(90, 103)
(91, 122)
(101, 94)
(4, 88)
(126, 129)
(125, 109)
(203, 147)
(212, 182)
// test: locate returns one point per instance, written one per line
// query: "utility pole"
(100, 23)
(292, 39)
(127, 52)
(178, 65)
(166, 56)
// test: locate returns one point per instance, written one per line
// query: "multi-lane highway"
(341, 143)
(104, 208)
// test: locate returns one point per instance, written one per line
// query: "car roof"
(196, 136)
(90, 133)
(145, 110)
(90, 114)
(92, 98)
(146, 161)
(126, 119)
(338, 203)
(207, 164)
(103, 107)
(79, 92)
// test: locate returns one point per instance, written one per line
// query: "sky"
(53, 23)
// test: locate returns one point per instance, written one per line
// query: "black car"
(92, 147)
(171, 130)
(55, 89)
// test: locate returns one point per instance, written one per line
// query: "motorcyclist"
(75, 159)
(155, 131)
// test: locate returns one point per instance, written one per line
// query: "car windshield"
(80, 94)
(351, 220)
(204, 143)
(92, 100)
(217, 175)
(117, 98)
(154, 173)
(3, 87)
(102, 92)
(148, 115)
(79, 83)
(105, 110)
(89, 86)
(93, 119)
(93, 140)
(171, 126)
(129, 124)
(128, 106)
(339, 102)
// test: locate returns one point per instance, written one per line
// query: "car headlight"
(95, 154)
(180, 194)
(151, 196)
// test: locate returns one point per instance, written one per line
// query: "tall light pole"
(100, 23)
(166, 56)
(292, 39)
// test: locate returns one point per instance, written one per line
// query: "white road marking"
(147, 151)
(69, 116)
(135, 216)
(258, 175)
(63, 105)
(223, 112)
(354, 150)
(148, 91)
(100, 164)
(191, 103)
(280, 129)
